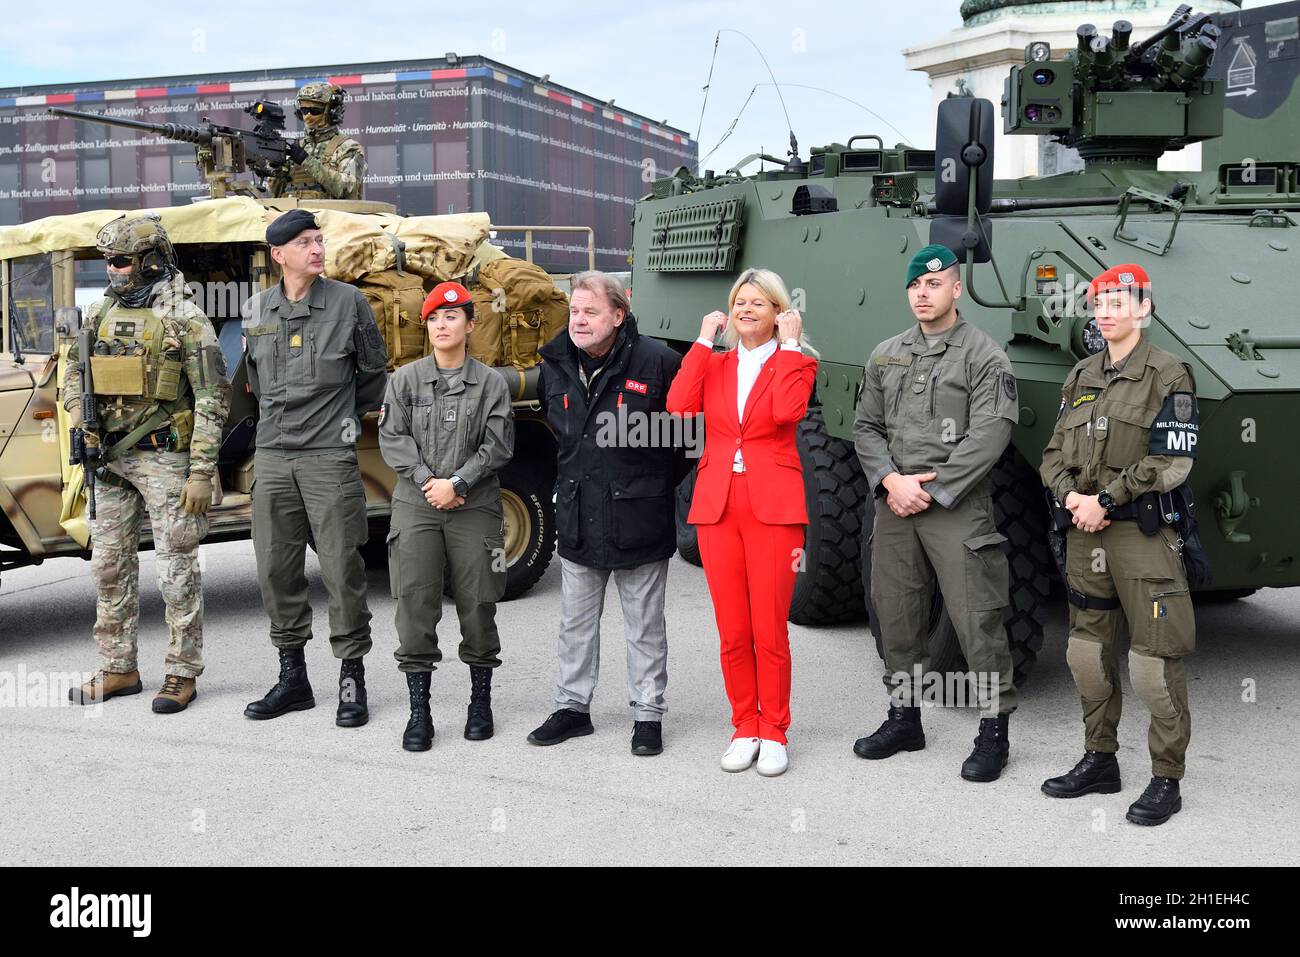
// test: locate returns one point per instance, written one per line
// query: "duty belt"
(159, 440)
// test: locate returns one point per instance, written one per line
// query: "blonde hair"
(770, 285)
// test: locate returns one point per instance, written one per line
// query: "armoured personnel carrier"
(1218, 244)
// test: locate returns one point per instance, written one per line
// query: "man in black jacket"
(620, 458)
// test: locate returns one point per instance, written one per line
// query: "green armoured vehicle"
(222, 253)
(1218, 245)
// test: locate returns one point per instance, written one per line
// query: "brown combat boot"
(176, 694)
(105, 685)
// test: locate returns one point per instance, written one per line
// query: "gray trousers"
(582, 600)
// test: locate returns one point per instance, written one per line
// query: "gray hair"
(603, 284)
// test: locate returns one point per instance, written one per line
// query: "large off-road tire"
(1020, 513)
(529, 508)
(688, 542)
(828, 588)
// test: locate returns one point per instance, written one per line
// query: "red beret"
(445, 294)
(1125, 276)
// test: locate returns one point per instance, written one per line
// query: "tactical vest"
(138, 372)
(302, 184)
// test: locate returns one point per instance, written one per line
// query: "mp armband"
(1176, 429)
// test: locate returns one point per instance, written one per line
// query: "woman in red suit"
(748, 506)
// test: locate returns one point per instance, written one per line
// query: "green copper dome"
(972, 9)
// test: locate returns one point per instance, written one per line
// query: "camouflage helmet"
(328, 95)
(134, 236)
(144, 239)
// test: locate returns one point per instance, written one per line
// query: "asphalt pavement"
(120, 785)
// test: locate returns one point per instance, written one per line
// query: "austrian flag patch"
(633, 386)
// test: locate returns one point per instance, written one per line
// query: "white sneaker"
(740, 754)
(772, 759)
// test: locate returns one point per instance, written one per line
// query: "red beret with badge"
(1126, 276)
(445, 294)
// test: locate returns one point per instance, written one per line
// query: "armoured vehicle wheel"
(529, 509)
(1020, 516)
(688, 542)
(828, 590)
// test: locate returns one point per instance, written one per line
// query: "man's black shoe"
(647, 738)
(561, 726)
(1096, 773)
(352, 712)
(991, 751)
(900, 732)
(1158, 803)
(291, 693)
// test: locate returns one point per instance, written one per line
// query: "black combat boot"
(991, 750)
(478, 723)
(291, 693)
(1158, 803)
(419, 730)
(1096, 773)
(352, 712)
(900, 732)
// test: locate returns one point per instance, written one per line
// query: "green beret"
(932, 258)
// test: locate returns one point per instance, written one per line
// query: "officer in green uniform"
(937, 408)
(1117, 462)
(162, 399)
(316, 364)
(445, 428)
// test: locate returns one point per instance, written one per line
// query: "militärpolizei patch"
(1084, 399)
(124, 329)
(1008, 380)
(383, 413)
(1176, 429)
(1126, 278)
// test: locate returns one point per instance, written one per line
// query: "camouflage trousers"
(152, 484)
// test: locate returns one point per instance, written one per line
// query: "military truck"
(222, 252)
(1218, 244)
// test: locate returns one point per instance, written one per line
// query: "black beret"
(289, 225)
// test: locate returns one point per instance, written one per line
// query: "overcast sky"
(652, 59)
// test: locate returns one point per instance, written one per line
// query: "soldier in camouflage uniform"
(326, 164)
(162, 399)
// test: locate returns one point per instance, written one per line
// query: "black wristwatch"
(1106, 501)
(459, 485)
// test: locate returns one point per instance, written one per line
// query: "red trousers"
(750, 567)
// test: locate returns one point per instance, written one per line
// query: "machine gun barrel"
(172, 131)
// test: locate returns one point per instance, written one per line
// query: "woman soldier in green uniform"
(1118, 460)
(445, 428)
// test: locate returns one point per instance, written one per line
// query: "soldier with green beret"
(162, 399)
(936, 412)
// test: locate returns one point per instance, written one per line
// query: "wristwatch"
(459, 485)
(790, 343)
(1106, 500)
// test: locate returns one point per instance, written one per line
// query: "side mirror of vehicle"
(963, 148)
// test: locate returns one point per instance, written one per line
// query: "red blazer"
(707, 383)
